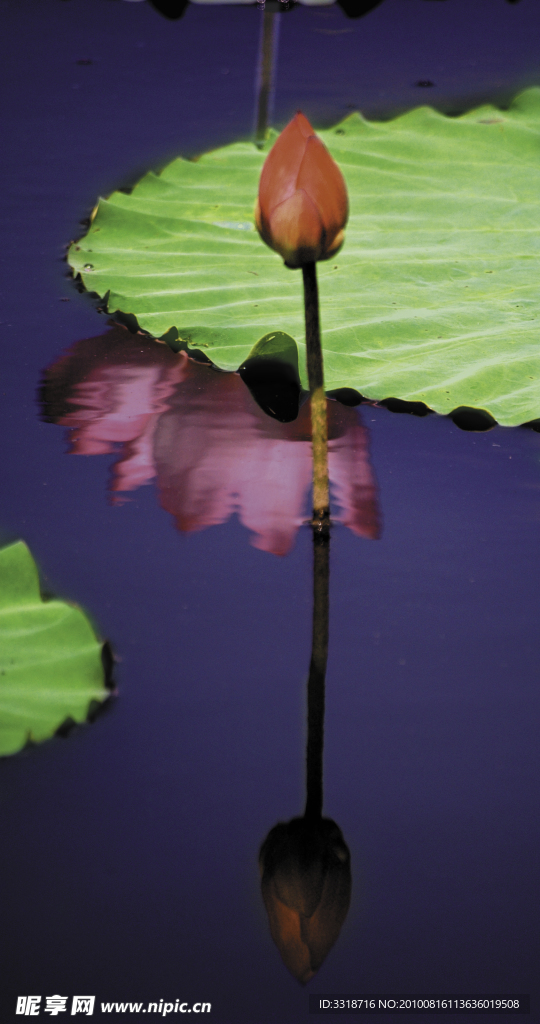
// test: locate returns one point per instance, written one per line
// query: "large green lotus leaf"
(434, 297)
(50, 659)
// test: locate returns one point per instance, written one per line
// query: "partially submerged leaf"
(50, 660)
(432, 299)
(278, 347)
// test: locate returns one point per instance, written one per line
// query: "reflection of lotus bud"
(306, 888)
(302, 207)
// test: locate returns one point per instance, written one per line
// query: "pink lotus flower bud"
(302, 207)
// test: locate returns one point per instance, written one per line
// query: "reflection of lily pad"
(434, 297)
(50, 660)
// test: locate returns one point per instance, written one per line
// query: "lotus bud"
(306, 888)
(302, 207)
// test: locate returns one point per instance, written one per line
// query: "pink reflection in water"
(202, 436)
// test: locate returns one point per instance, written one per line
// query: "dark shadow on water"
(472, 419)
(274, 386)
(410, 408)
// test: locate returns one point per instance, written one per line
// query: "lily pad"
(434, 297)
(50, 660)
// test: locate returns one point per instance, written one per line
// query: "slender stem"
(313, 330)
(321, 546)
(266, 66)
(319, 422)
(317, 673)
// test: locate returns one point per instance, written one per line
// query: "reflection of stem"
(321, 545)
(317, 672)
(268, 45)
(319, 425)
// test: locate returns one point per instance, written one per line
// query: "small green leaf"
(279, 347)
(50, 660)
(434, 297)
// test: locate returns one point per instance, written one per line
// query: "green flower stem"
(317, 673)
(319, 422)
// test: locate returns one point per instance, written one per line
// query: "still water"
(156, 493)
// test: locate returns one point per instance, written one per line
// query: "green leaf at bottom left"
(50, 658)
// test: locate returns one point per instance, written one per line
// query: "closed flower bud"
(306, 888)
(302, 207)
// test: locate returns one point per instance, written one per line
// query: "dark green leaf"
(50, 660)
